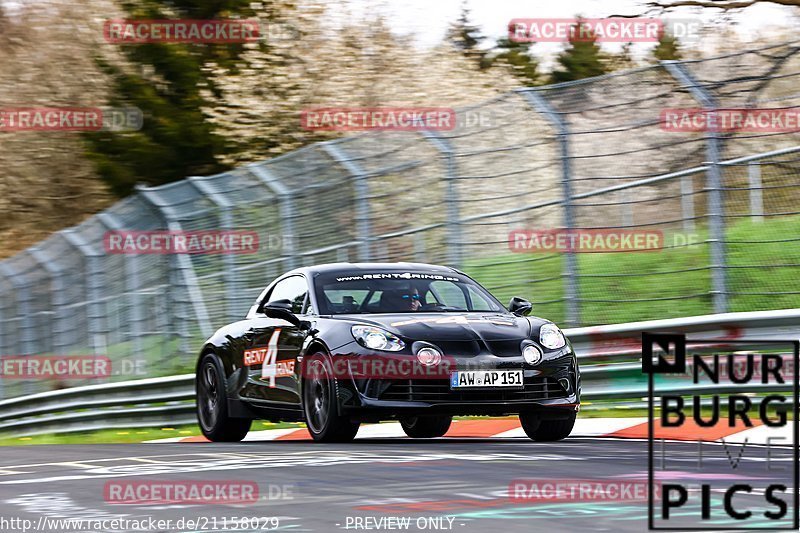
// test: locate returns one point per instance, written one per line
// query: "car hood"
(453, 326)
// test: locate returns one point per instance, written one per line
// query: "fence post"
(687, 203)
(455, 240)
(419, 247)
(285, 207)
(131, 287)
(27, 340)
(361, 189)
(627, 208)
(756, 192)
(571, 290)
(26, 343)
(5, 332)
(232, 292)
(95, 285)
(57, 299)
(716, 206)
(182, 267)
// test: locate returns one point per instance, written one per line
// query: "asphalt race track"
(437, 485)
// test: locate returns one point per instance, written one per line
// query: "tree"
(258, 104)
(46, 60)
(623, 60)
(517, 56)
(175, 141)
(467, 37)
(582, 58)
(726, 5)
(668, 47)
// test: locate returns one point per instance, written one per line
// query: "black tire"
(211, 400)
(426, 427)
(320, 408)
(546, 430)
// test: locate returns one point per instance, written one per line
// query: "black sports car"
(340, 344)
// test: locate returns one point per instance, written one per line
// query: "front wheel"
(426, 427)
(324, 422)
(546, 430)
(212, 404)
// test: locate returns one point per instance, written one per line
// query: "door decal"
(267, 358)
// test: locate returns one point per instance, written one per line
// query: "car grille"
(438, 391)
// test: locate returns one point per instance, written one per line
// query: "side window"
(479, 303)
(293, 289)
(450, 293)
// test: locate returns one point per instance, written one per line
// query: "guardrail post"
(716, 205)
(182, 266)
(455, 239)
(231, 286)
(361, 189)
(756, 192)
(95, 285)
(285, 207)
(571, 291)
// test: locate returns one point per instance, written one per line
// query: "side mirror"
(282, 313)
(520, 306)
(280, 304)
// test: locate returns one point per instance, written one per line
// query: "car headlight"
(377, 339)
(429, 356)
(551, 337)
(532, 354)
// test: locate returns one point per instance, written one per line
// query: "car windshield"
(401, 292)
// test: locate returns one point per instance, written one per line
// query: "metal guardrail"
(610, 359)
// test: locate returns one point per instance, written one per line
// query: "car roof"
(357, 267)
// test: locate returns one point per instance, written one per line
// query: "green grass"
(667, 283)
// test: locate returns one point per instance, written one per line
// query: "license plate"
(466, 379)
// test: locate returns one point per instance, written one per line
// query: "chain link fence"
(590, 155)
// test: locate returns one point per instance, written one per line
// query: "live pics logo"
(728, 453)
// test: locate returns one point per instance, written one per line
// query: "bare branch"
(719, 4)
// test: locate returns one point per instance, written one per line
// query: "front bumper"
(551, 388)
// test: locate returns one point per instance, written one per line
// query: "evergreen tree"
(582, 58)
(175, 141)
(623, 60)
(517, 56)
(467, 37)
(667, 48)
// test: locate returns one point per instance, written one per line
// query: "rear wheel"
(546, 430)
(324, 422)
(426, 427)
(212, 404)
